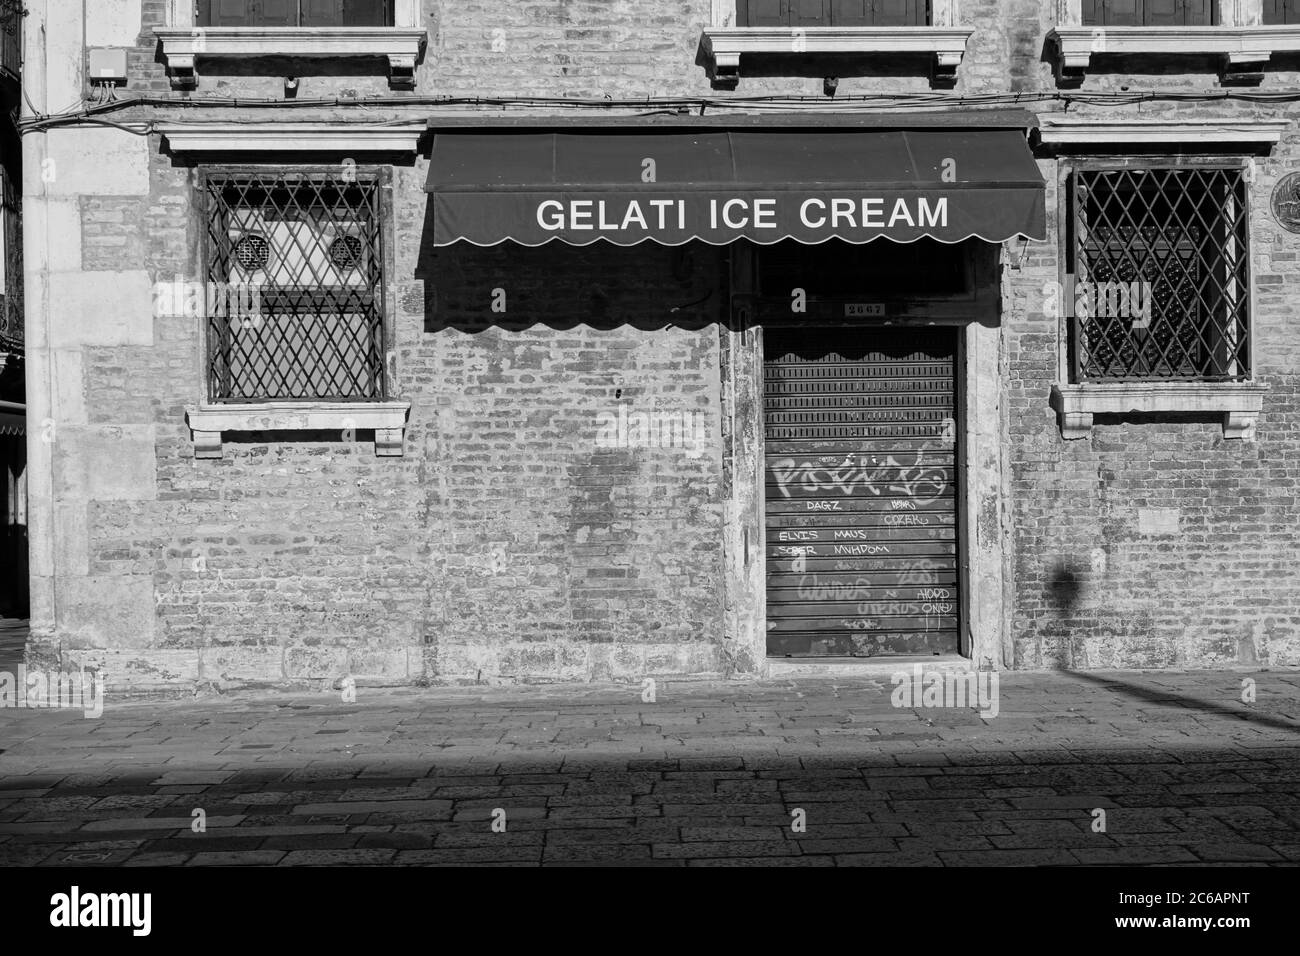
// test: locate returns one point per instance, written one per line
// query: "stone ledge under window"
(1244, 49)
(1238, 402)
(289, 137)
(722, 47)
(1069, 131)
(181, 48)
(387, 419)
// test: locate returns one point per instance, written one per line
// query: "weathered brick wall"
(506, 542)
(1099, 579)
(536, 531)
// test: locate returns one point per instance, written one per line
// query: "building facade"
(428, 341)
(13, 418)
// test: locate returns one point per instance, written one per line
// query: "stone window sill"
(1244, 49)
(387, 419)
(1238, 402)
(181, 48)
(721, 47)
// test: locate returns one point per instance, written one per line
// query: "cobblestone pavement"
(707, 774)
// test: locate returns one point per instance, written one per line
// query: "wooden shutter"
(810, 13)
(760, 13)
(1163, 13)
(899, 13)
(1281, 11)
(366, 13)
(315, 13)
(1198, 13)
(226, 13)
(1122, 13)
(851, 13)
(1092, 13)
(322, 13)
(275, 13)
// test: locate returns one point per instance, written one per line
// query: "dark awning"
(857, 181)
(13, 418)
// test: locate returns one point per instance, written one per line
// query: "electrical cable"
(646, 107)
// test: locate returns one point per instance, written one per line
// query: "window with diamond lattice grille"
(1176, 239)
(294, 298)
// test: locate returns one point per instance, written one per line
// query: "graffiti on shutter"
(860, 429)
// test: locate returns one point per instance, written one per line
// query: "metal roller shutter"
(860, 428)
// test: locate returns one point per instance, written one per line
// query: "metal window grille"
(295, 287)
(1182, 233)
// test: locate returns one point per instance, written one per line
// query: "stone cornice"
(182, 48)
(1239, 46)
(722, 48)
(1054, 131)
(289, 137)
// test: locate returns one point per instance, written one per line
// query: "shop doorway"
(861, 490)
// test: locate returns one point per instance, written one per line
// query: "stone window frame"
(1241, 39)
(1076, 404)
(209, 421)
(722, 43)
(183, 43)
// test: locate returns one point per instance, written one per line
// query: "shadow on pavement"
(1165, 697)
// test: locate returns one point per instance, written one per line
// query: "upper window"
(1281, 11)
(295, 13)
(1160, 261)
(296, 268)
(1149, 13)
(832, 13)
(11, 259)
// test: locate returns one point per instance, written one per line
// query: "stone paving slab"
(796, 771)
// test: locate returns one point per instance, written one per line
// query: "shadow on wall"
(1151, 66)
(1064, 587)
(601, 286)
